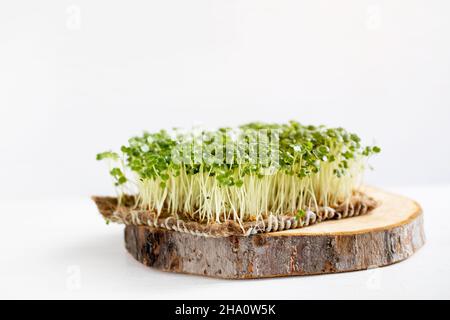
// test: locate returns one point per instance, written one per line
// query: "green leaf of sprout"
(107, 155)
(376, 149)
(300, 214)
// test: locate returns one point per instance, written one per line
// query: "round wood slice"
(389, 234)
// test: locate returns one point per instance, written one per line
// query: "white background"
(78, 77)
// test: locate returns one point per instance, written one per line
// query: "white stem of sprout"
(202, 198)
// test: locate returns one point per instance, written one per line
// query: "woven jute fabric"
(127, 213)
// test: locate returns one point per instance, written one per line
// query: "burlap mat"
(126, 213)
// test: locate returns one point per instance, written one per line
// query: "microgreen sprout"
(108, 155)
(241, 174)
(300, 214)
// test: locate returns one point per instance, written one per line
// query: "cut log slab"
(389, 234)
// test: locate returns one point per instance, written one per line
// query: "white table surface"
(61, 248)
